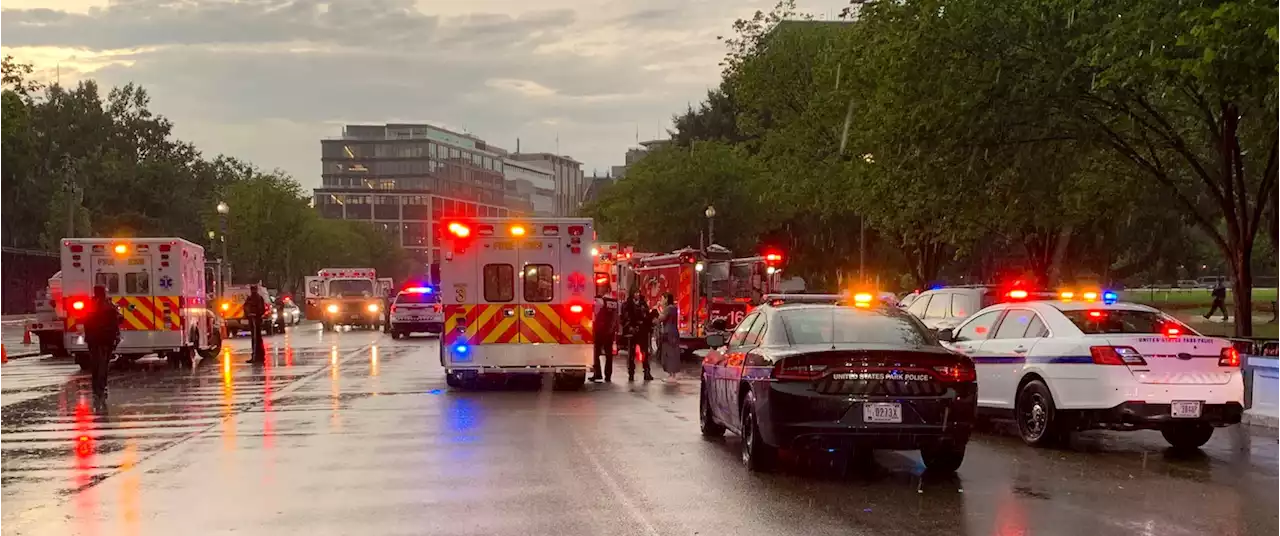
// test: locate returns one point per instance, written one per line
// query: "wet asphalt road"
(354, 433)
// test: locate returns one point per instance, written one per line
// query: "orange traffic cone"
(4, 356)
(26, 337)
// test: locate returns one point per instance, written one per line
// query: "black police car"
(823, 376)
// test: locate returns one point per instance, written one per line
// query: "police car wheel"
(706, 420)
(1039, 422)
(1187, 436)
(942, 457)
(756, 454)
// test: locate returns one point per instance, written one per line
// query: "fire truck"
(158, 285)
(707, 285)
(347, 296)
(517, 298)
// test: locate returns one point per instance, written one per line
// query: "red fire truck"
(706, 285)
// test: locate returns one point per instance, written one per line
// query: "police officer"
(637, 323)
(603, 327)
(1219, 301)
(255, 309)
(386, 310)
(101, 335)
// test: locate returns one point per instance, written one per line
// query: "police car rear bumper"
(1141, 415)
(428, 326)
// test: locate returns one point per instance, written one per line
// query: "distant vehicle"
(1212, 281)
(822, 376)
(416, 310)
(285, 313)
(1187, 283)
(946, 307)
(231, 308)
(1060, 366)
(346, 296)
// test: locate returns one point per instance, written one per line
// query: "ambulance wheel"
(570, 381)
(215, 346)
(452, 380)
(82, 359)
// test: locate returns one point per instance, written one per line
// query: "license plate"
(890, 412)
(1186, 409)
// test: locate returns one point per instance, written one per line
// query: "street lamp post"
(711, 225)
(224, 267)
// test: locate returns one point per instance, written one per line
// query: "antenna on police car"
(833, 327)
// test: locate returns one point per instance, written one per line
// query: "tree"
(1185, 91)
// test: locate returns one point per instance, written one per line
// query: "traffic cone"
(4, 356)
(26, 337)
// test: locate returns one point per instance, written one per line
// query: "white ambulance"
(158, 285)
(517, 296)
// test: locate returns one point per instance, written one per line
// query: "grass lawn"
(1213, 329)
(1187, 300)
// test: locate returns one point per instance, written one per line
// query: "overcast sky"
(264, 80)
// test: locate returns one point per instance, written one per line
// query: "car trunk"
(1189, 360)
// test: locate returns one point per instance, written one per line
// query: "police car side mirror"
(947, 335)
(715, 340)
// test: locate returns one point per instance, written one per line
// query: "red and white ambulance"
(518, 296)
(158, 285)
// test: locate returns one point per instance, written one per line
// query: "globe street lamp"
(711, 225)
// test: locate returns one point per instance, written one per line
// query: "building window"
(436, 203)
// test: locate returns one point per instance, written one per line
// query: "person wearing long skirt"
(669, 338)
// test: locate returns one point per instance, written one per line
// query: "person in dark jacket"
(669, 338)
(101, 335)
(255, 309)
(637, 326)
(604, 327)
(1219, 301)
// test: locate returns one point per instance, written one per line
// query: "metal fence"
(25, 274)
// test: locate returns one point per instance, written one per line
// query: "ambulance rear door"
(539, 295)
(126, 274)
(495, 318)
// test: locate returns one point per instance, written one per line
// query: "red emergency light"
(459, 230)
(773, 258)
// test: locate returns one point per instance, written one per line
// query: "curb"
(1253, 418)
(20, 356)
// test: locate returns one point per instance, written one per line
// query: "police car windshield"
(351, 287)
(1103, 321)
(843, 325)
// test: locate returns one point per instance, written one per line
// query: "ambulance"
(158, 285)
(518, 297)
(48, 325)
(231, 309)
(347, 296)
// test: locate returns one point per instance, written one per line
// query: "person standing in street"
(603, 329)
(669, 338)
(101, 335)
(1219, 301)
(255, 309)
(386, 309)
(637, 325)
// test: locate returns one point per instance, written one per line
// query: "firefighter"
(101, 335)
(604, 326)
(255, 309)
(637, 324)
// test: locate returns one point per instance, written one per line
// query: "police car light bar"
(778, 299)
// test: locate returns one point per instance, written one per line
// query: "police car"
(1063, 365)
(416, 309)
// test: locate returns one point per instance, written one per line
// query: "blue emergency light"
(1109, 297)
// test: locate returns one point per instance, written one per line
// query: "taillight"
(1116, 355)
(960, 372)
(575, 309)
(78, 305)
(1230, 357)
(393, 308)
(791, 370)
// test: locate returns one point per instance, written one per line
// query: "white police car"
(1063, 365)
(416, 309)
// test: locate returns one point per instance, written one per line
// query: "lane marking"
(615, 489)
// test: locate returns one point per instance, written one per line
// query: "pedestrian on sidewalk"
(637, 326)
(603, 329)
(1219, 301)
(101, 335)
(669, 338)
(255, 309)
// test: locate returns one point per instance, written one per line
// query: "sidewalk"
(11, 335)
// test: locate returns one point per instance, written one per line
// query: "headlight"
(275, 316)
(332, 308)
(373, 308)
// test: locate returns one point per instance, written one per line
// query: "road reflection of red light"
(288, 356)
(1011, 516)
(373, 361)
(86, 501)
